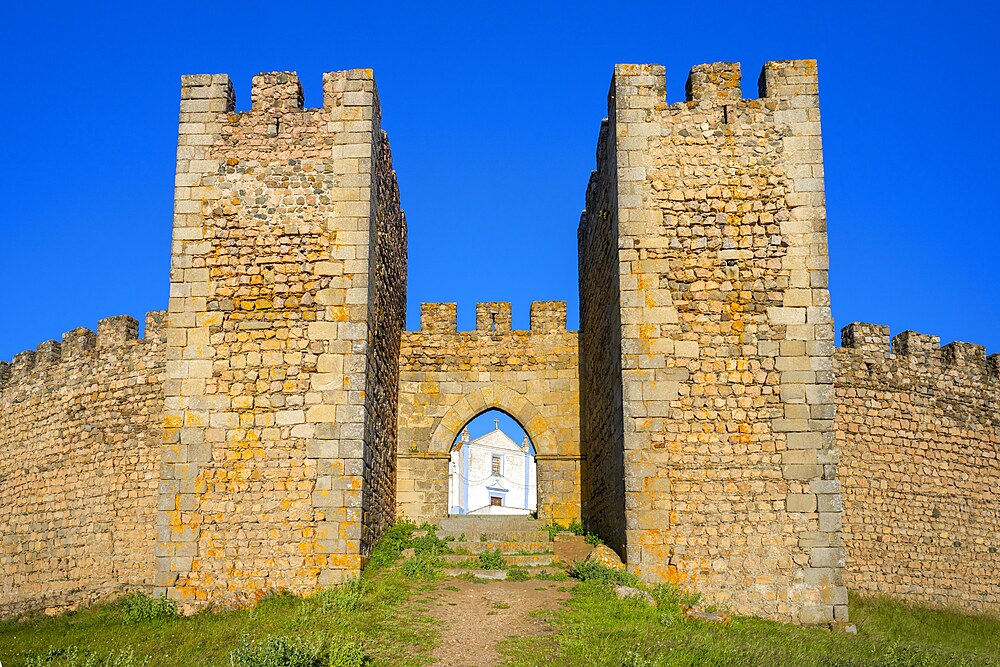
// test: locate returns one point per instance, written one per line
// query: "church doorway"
(492, 469)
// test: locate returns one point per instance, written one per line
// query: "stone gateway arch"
(448, 377)
(278, 417)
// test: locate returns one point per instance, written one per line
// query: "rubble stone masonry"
(285, 309)
(277, 417)
(918, 430)
(80, 426)
(715, 209)
(601, 425)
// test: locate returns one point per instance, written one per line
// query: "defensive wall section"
(918, 429)
(80, 423)
(286, 307)
(448, 377)
(277, 417)
(703, 247)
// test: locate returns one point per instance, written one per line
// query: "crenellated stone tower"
(706, 351)
(287, 301)
(270, 425)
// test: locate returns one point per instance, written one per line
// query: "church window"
(496, 465)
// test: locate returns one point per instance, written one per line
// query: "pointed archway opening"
(491, 468)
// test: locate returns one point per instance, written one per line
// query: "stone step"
(511, 560)
(504, 547)
(495, 528)
(488, 535)
(496, 574)
(467, 522)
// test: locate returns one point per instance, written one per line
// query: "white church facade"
(492, 475)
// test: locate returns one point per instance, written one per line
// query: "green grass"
(597, 629)
(365, 622)
(492, 560)
(381, 619)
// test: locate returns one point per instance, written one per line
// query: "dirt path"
(475, 616)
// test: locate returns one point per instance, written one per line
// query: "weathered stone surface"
(80, 438)
(267, 429)
(918, 431)
(287, 303)
(570, 548)
(606, 556)
(706, 335)
(448, 377)
(630, 593)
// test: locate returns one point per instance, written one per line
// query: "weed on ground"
(366, 621)
(596, 629)
(381, 619)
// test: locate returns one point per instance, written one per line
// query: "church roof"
(497, 440)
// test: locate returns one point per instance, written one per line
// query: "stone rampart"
(80, 443)
(448, 377)
(277, 418)
(918, 429)
(715, 209)
(287, 292)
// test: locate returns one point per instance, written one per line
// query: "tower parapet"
(718, 83)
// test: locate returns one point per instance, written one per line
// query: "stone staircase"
(524, 543)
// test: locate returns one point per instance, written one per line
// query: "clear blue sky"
(493, 112)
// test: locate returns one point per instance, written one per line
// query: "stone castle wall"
(918, 430)
(602, 421)
(286, 293)
(448, 377)
(386, 321)
(726, 338)
(278, 417)
(80, 442)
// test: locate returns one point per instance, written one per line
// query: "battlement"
(277, 91)
(493, 317)
(872, 341)
(548, 316)
(274, 92)
(112, 333)
(721, 83)
(439, 317)
(714, 82)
